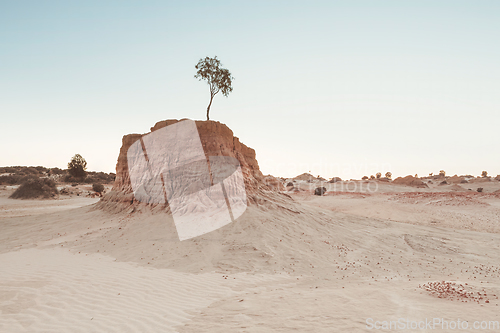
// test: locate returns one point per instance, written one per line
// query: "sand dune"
(281, 267)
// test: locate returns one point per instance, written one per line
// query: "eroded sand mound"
(456, 180)
(305, 176)
(274, 234)
(409, 181)
(217, 140)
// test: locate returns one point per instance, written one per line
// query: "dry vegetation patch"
(34, 187)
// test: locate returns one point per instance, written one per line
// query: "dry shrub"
(34, 187)
(99, 188)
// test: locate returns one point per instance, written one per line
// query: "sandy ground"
(440, 206)
(338, 263)
(12, 208)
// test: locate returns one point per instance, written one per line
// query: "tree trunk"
(208, 109)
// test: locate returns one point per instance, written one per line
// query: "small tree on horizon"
(77, 166)
(388, 175)
(219, 79)
(378, 175)
(484, 174)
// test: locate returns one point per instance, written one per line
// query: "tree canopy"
(219, 79)
(77, 166)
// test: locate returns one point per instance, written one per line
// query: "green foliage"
(77, 167)
(219, 79)
(35, 187)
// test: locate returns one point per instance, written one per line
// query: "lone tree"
(219, 79)
(77, 166)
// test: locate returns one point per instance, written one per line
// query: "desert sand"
(293, 262)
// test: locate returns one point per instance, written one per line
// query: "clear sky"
(338, 88)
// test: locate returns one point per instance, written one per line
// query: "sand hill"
(409, 181)
(217, 140)
(305, 176)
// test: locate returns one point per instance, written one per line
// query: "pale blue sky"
(338, 88)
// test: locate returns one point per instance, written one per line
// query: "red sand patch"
(457, 292)
(441, 198)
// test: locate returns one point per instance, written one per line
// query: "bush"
(480, 189)
(320, 191)
(91, 180)
(34, 187)
(9, 170)
(71, 179)
(388, 175)
(378, 175)
(41, 169)
(99, 188)
(31, 171)
(484, 174)
(10, 179)
(77, 166)
(56, 171)
(99, 177)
